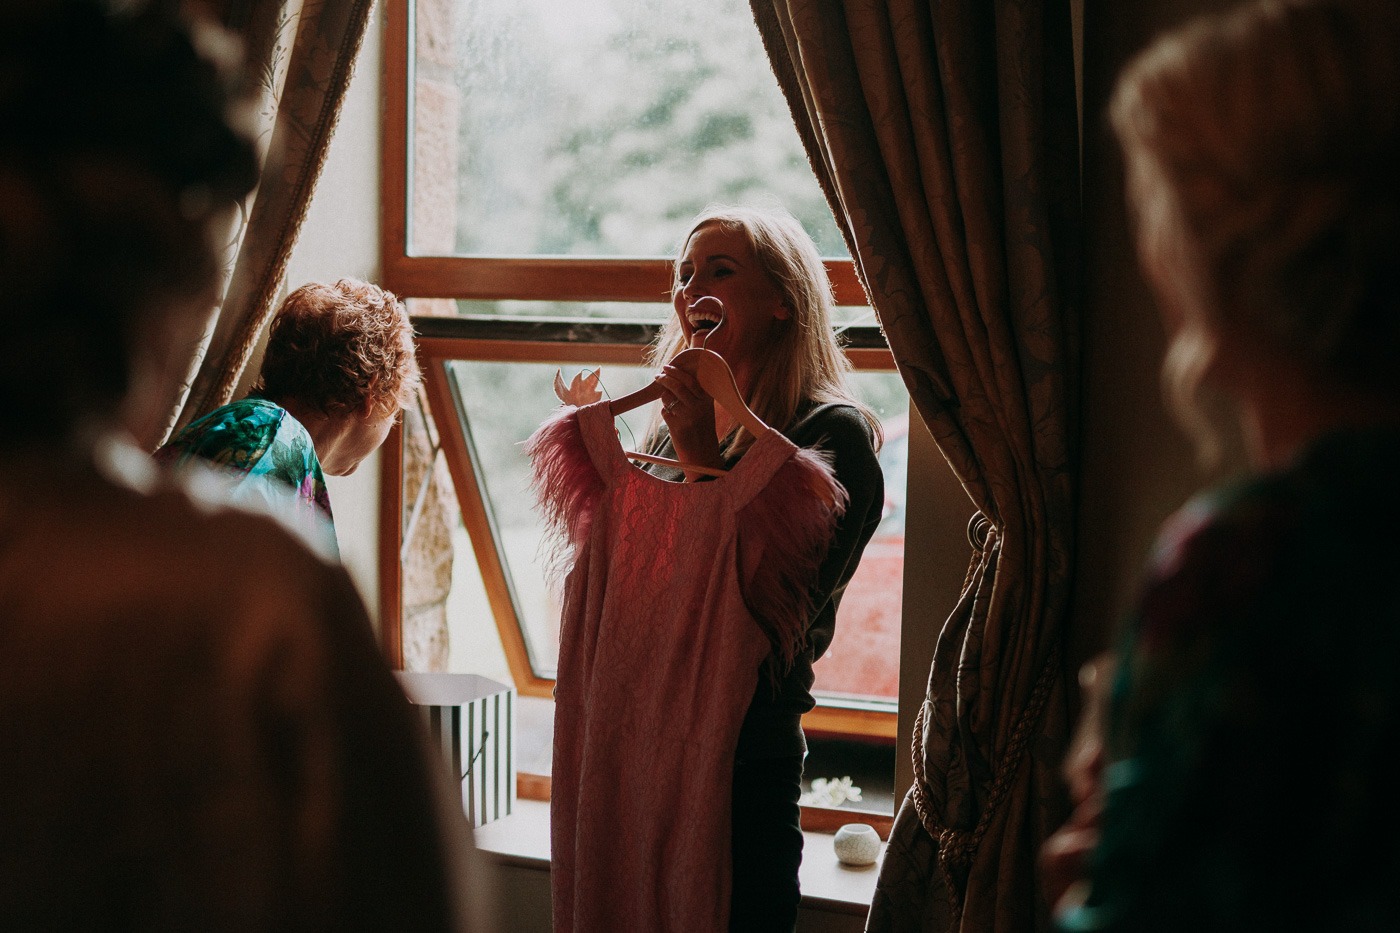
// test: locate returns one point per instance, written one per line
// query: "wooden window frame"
(553, 278)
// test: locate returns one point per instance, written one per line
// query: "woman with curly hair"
(338, 369)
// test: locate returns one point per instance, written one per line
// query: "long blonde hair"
(1260, 149)
(805, 365)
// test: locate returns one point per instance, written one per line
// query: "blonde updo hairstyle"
(1261, 159)
(805, 364)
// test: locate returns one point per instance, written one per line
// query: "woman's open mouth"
(706, 314)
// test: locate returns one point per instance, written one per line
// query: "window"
(540, 162)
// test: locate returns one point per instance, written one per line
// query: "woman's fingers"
(689, 414)
(680, 382)
(681, 390)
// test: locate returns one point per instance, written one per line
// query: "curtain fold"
(944, 134)
(300, 55)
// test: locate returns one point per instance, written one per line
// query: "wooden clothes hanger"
(716, 378)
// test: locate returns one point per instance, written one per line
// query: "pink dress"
(675, 595)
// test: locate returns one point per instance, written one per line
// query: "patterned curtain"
(945, 134)
(299, 58)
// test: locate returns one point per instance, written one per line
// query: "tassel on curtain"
(300, 55)
(945, 135)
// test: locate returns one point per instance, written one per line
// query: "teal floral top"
(1253, 727)
(271, 458)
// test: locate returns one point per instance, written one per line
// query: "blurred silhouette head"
(118, 159)
(1261, 148)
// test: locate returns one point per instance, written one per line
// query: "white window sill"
(522, 839)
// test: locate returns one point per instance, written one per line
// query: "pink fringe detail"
(784, 534)
(565, 482)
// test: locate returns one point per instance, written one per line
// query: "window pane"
(504, 404)
(862, 663)
(441, 587)
(594, 127)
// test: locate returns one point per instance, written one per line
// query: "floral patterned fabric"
(1256, 702)
(271, 458)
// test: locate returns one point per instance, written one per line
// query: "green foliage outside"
(600, 127)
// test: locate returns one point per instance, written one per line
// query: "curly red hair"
(337, 347)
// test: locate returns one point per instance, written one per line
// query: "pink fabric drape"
(675, 594)
(944, 133)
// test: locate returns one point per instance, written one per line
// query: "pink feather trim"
(565, 482)
(784, 534)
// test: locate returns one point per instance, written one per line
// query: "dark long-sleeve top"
(773, 726)
(1256, 706)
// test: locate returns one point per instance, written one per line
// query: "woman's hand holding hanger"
(688, 410)
(689, 413)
